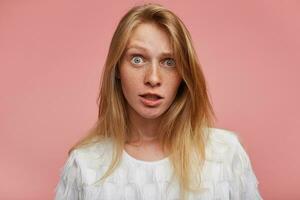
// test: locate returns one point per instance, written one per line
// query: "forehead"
(149, 37)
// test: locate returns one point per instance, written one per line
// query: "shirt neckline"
(155, 162)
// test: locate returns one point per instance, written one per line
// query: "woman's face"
(148, 66)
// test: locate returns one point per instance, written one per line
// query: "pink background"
(52, 53)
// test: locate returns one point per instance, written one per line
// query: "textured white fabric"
(227, 174)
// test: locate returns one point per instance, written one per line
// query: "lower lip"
(150, 102)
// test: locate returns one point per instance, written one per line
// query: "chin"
(147, 113)
(150, 114)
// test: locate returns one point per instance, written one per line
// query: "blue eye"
(136, 59)
(170, 62)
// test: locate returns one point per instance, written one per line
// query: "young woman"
(154, 137)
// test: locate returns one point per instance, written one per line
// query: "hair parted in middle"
(183, 125)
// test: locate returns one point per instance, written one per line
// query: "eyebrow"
(164, 54)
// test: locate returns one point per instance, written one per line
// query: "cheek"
(126, 83)
(129, 82)
(172, 88)
(176, 80)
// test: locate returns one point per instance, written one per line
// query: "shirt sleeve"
(245, 183)
(69, 185)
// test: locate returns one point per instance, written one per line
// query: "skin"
(147, 66)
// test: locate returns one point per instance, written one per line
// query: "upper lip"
(150, 93)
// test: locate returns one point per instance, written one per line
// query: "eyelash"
(138, 55)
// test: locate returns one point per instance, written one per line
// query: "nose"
(152, 75)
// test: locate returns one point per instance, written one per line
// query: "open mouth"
(151, 97)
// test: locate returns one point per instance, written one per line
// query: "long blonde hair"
(183, 124)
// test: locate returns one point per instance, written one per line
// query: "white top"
(227, 174)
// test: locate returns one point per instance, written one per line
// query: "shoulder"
(93, 150)
(92, 160)
(227, 160)
(222, 144)
(94, 154)
(226, 151)
(81, 168)
(222, 136)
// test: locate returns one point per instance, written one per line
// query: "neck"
(143, 130)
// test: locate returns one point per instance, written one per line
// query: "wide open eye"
(170, 62)
(137, 59)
